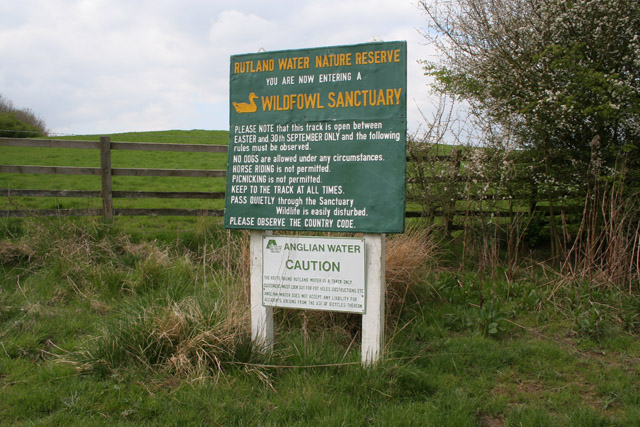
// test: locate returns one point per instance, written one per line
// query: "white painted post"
(261, 317)
(373, 319)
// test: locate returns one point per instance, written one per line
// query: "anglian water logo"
(273, 247)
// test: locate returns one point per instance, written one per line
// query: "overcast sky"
(105, 66)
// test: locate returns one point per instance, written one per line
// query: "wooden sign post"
(261, 316)
(373, 319)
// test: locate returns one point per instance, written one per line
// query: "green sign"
(317, 139)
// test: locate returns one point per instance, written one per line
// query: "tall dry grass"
(606, 248)
(192, 337)
(408, 258)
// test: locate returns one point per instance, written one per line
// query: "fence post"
(105, 165)
(451, 192)
(533, 195)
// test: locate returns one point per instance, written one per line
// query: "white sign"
(314, 273)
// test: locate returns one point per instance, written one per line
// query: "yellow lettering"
(348, 98)
(333, 60)
(377, 57)
(254, 66)
(389, 96)
(332, 101)
(297, 63)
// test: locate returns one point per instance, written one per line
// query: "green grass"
(107, 324)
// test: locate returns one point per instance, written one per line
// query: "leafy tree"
(19, 123)
(557, 74)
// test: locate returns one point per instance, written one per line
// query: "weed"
(449, 288)
(589, 322)
(491, 319)
(459, 319)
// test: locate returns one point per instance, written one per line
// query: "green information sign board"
(317, 139)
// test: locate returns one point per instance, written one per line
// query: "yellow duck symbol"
(243, 107)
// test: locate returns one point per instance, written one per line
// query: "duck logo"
(273, 246)
(246, 107)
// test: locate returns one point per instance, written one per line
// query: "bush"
(19, 123)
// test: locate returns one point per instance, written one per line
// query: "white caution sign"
(314, 273)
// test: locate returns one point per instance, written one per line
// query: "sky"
(107, 66)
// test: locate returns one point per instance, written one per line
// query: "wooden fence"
(105, 145)
(495, 187)
(449, 179)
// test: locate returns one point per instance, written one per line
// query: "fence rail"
(117, 194)
(23, 213)
(71, 170)
(114, 145)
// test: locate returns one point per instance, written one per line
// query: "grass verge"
(100, 324)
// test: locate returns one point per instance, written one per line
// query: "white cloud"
(236, 32)
(92, 66)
